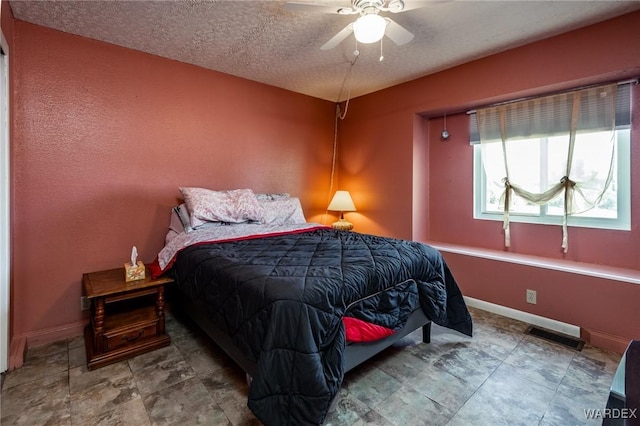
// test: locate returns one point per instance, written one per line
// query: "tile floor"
(501, 376)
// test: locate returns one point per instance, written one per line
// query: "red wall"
(407, 183)
(104, 136)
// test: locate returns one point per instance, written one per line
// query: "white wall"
(4, 206)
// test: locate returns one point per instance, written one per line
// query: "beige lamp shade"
(342, 202)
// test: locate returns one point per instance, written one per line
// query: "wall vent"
(552, 336)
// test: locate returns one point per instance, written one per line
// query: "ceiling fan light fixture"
(369, 28)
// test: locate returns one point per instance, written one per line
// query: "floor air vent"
(568, 341)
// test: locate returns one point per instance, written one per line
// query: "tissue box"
(133, 272)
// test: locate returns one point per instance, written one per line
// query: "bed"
(298, 304)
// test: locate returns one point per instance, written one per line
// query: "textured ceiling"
(266, 42)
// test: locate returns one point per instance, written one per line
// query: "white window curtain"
(567, 121)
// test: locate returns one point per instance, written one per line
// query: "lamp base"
(342, 225)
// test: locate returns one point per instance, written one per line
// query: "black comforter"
(282, 299)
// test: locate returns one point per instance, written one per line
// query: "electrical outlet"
(532, 297)
(84, 303)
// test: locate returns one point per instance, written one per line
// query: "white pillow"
(176, 222)
(182, 214)
(286, 211)
(272, 196)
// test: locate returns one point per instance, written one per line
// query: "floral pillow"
(284, 211)
(181, 220)
(233, 206)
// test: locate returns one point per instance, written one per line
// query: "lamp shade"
(342, 202)
(369, 28)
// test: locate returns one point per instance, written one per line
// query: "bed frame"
(354, 355)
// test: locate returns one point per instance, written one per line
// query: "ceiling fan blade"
(338, 38)
(397, 6)
(310, 7)
(397, 33)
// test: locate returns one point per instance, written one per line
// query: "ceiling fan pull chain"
(381, 55)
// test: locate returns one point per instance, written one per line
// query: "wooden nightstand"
(127, 318)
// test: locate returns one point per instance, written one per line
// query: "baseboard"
(547, 323)
(595, 338)
(17, 352)
(604, 340)
(50, 335)
(19, 344)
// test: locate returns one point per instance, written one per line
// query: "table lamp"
(342, 202)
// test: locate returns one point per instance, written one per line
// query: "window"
(562, 159)
(534, 165)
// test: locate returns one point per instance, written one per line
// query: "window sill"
(630, 276)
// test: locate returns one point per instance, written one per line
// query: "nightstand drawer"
(130, 336)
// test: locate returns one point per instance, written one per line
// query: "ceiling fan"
(370, 26)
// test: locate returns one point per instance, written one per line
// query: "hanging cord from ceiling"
(347, 81)
(340, 116)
